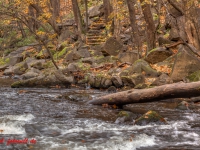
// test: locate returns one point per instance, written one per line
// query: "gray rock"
(18, 69)
(31, 74)
(158, 55)
(66, 80)
(112, 89)
(162, 80)
(133, 80)
(112, 47)
(141, 66)
(16, 59)
(117, 81)
(184, 65)
(129, 57)
(94, 11)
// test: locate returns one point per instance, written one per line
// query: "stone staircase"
(96, 34)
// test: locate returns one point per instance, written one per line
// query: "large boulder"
(129, 57)
(112, 47)
(184, 65)
(94, 11)
(158, 55)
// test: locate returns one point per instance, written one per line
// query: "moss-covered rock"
(194, 76)
(141, 66)
(125, 116)
(150, 117)
(133, 80)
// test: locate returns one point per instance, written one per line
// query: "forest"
(139, 60)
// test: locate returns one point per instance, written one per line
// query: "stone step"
(97, 24)
(95, 37)
(95, 40)
(99, 43)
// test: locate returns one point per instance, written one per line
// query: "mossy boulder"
(43, 54)
(133, 80)
(18, 69)
(141, 66)
(150, 117)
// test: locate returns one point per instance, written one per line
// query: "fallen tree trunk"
(175, 90)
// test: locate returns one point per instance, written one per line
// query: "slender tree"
(150, 26)
(134, 26)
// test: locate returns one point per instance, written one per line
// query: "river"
(54, 123)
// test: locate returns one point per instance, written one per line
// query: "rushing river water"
(59, 124)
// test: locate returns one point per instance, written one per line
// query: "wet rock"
(183, 105)
(125, 116)
(129, 57)
(158, 55)
(77, 97)
(150, 117)
(112, 47)
(162, 80)
(185, 64)
(112, 89)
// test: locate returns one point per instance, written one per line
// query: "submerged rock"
(150, 117)
(125, 116)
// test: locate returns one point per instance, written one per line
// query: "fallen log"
(175, 90)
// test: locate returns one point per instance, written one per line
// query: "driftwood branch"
(175, 90)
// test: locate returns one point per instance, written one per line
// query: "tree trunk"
(86, 15)
(107, 9)
(176, 90)
(134, 26)
(150, 26)
(78, 18)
